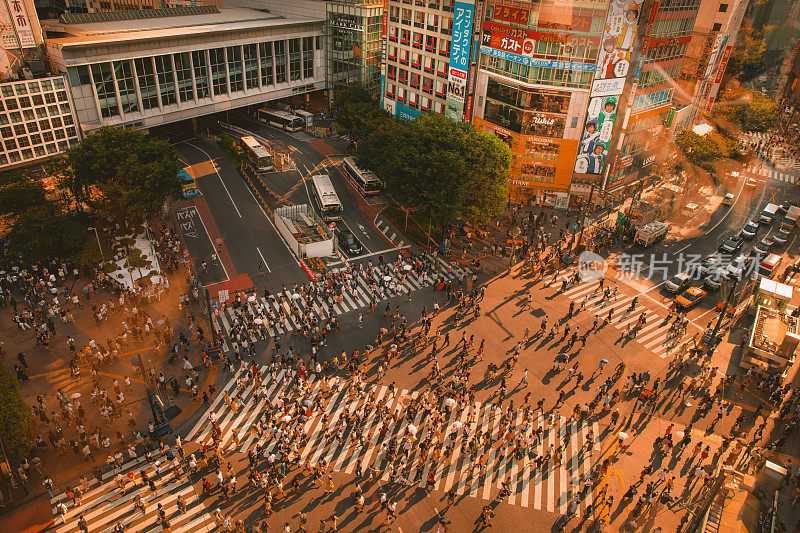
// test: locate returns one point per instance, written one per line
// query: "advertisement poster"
(21, 24)
(613, 64)
(535, 62)
(459, 58)
(384, 29)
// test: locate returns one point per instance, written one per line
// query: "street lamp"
(92, 228)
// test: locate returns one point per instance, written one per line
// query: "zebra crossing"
(771, 173)
(655, 335)
(273, 317)
(104, 503)
(469, 469)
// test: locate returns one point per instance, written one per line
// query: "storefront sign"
(578, 23)
(385, 30)
(712, 56)
(470, 92)
(608, 87)
(22, 26)
(723, 64)
(345, 24)
(459, 58)
(404, 112)
(510, 14)
(514, 39)
(669, 41)
(533, 62)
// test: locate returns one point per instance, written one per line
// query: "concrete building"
(151, 67)
(352, 35)
(36, 121)
(428, 54)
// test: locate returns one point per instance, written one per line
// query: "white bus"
(308, 118)
(281, 119)
(326, 198)
(258, 156)
(365, 181)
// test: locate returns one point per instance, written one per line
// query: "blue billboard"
(406, 113)
(459, 59)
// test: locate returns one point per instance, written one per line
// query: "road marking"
(354, 234)
(216, 170)
(263, 260)
(214, 247)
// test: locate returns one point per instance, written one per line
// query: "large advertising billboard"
(613, 64)
(459, 58)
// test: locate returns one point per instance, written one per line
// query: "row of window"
(673, 27)
(662, 53)
(35, 139)
(412, 99)
(420, 19)
(444, 5)
(541, 75)
(30, 87)
(659, 75)
(35, 152)
(680, 5)
(417, 61)
(414, 80)
(420, 41)
(36, 121)
(171, 78)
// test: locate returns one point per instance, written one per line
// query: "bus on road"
(188, 183)
(326, 198)
(258, 156)
(365, 181)
(281, 119)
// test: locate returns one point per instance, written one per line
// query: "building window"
(294, 59)
(723, 8)
(414, 80)
(419, 19)
(392, 52)
(280, 61)
(716, 27)
(405, 36)
(235, 68)
(126, 86)
(444, 47)
(308, 57)
(199, 63)
(166, 80)
(427, 85)
(79, 76)
(183, 69)
(266, 63)
(391, 71)
(251, 66)
(218, 81)
(430, 43)
(104, 85)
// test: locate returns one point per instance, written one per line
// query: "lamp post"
(93, 228)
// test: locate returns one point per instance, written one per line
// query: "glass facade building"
(353, 44)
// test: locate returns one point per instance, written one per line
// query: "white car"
(714, 278)
(678, 282)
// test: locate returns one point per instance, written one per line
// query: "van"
(769, 265)
(768, 213)
(651, 233)
(728, 200)
(790, 218)
(690, 210)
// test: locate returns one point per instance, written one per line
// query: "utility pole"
(210, 319)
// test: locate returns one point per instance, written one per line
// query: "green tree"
(758, 113)
(16, 419)
(357, 116)
(18, 193)
(44, 232)
(106, 161)
(698, 149)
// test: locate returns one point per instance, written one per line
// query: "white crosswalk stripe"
(262, 318)
(771, 173)
(105, 504)
(656, 335)
(351, 433)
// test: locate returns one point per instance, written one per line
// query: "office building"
(353, 36)
(428, 54)
(150, 67)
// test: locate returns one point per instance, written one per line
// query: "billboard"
(522, 41)
(22, 34)
(404, 112)
(535, 62)
(611, 70)
(384, 31)
(459, 58)
(514, 15)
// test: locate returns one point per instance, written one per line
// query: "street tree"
(20, 192)
(120, 171)
(46, 231)
(16, 420)
(357, 116)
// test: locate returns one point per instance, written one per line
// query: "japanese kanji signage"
(511, 14)
(459, 58)
(21, 24)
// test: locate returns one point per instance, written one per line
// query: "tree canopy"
(751, 109)
(357, 116)
(120, 171)
(439, 167)
(16, 419)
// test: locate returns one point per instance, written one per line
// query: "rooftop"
(160, 23)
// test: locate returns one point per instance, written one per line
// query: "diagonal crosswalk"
(771, 173)
(105, 504)
(656, 335)
(474, 450)
(262, 318)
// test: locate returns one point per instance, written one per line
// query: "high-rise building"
(428, 46)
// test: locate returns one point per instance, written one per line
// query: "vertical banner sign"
(383, 50)
(21, 24)
(459, 58)
(611, 70)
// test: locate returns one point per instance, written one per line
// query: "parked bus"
(281, 119)
(326, 198)
(365, 181)
(188, 183)
(308, 118)
(258, 156)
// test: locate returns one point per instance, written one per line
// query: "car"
(702, 268)
(678, 282)
(781, 237)
(690, 297)
(738, 266)
(728, 200)
(763, 247)
(731, 244)
(751, 182)
(348, 243)
(749, 230)
(714, 278)
(785, 206)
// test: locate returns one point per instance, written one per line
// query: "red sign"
(519, 41)
(511, 14)
(649, 28)
(723, 63)
(669, 41)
